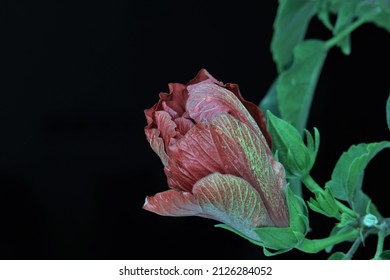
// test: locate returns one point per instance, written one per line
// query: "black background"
(75, 165)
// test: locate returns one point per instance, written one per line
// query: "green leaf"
(287, 238)
(290, 25)
(229, 228)
(364, 205)
(323, 13)
(287, 141)
(315, 206)
(339, 256)
(313, 145)
(325, 204)
(345, 16)
(346, 220)
(298, 213)
(269, 253)
(295, 185)
(385, 255)
(347, 176)
(279, 238)
(270, 100)
(295, 86)
(388, 112)
(376, 11)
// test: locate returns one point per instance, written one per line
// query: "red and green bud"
(217, 157)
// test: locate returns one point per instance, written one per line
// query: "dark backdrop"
(75, 165)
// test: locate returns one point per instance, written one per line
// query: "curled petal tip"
(145, 203)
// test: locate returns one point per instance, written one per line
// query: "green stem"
(311, 184)
(316, 245)
(345, 209)
(315, 188)
(335, 40)
(354, 247)
(379, 247)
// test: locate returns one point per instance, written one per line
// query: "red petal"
(254, 110)
(173, 103)
(245, 156)
(224, 198)
(183, 125)
(232, 201)
(177, 97)
(166, 126)
(157, 144)
(172, 203)
(206, 101)
(228, 146)
(204, 77)
(193, 157)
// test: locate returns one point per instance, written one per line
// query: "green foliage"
(337, 230)
(346, 14)
(339, 256)
(313, 144)
(324, 8)
(279, 238)
(325, 204)
(284, 239)
(347, 11)
(385, 255)
(270, 100)
(290, 25)
(297, 158)
(346, 220)
(388, 112)
(295, 87)
(375, 11)
(299, 62)
(347, 176)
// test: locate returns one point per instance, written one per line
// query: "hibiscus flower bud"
(217, 157)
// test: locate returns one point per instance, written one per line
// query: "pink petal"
(232, 201)
(176, 98)
(204, 77)
(166, 126)
(224, 198)
(157, 144)
(183, 125)
(173, 203)
(192, 157)
(244, 155)
(228, 146)
(207, 101)
(169, 110)
(254, 110)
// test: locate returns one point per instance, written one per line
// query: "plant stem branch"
(379, 247)
(315, 188)
(354, 247)
(335, 40)
(311, 184)
(316, 245)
